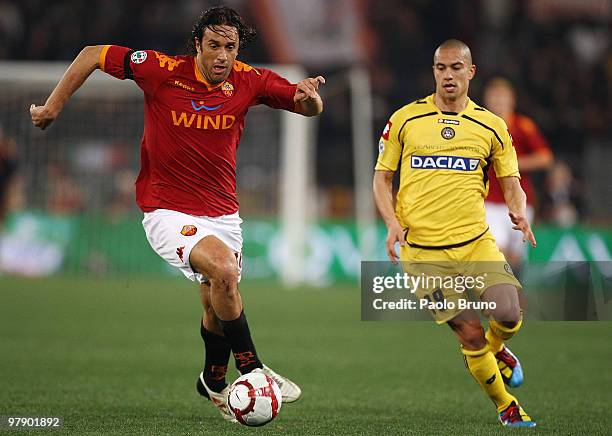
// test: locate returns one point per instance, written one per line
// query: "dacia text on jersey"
(444, 163)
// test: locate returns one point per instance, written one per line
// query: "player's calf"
(509, 365)
(225, 298)
(469, 331)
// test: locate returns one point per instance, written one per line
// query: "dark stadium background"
(109, 342)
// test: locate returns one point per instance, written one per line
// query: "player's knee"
(507, 308)
(228, 273)
(223, 271)
(507, 314)
(225, 277)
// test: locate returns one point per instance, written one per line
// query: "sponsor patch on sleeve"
(385, 133)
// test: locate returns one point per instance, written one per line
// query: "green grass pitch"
(121, 357)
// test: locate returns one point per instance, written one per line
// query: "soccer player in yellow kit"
(444, 145)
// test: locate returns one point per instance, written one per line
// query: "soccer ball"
(254, 399)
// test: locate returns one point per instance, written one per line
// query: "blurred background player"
(443, 144)
(8, 177)
(8, 169)
(194, 117)
(533, 154)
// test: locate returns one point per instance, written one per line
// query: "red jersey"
(192, 129)
(527, 139)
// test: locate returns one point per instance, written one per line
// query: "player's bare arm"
(307, 100)
(383, 195)
(517, 207)
(538, 161)
(80, 69)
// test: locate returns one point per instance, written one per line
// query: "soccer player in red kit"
(195, 107)
(533, 154)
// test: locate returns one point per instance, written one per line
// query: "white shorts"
(173, 235)
(508, 239)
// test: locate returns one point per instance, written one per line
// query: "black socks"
(238, 335)
(216, 354)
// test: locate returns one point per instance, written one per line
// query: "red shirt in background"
(192, 129)
(527, 139)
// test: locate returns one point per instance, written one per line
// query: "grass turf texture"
(117, 357)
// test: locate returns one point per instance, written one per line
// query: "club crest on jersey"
(448, 133)
(138, 57)
(189, 230)
(458, 163)
(228, 89)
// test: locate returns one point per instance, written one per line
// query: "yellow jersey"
(444, 159)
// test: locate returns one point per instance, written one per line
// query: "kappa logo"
(244, 358)
(189, 230)
(508, 268)
(138, 57)
(448, 133)
(241, 66)
(459, 163)
(218, 372)
(180, 252)
(167, 62)
(448, 121)
(228, 89)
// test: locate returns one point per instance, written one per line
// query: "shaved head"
(466, 54)
(453, 70)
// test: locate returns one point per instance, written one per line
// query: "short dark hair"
(455, 43)
(220, 16)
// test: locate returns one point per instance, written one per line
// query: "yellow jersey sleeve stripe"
(382, 167)
(512, 174)
(485, 126)
(428, 114)
(102, 58)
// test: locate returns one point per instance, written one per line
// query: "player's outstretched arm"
(516, 200)
(307, 100)
(80, 69)
(383, 195)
